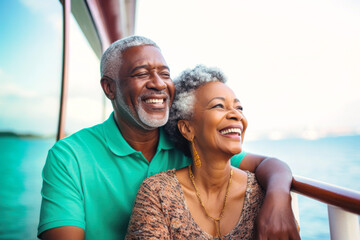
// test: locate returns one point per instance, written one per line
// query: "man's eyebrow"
(138, 67)
(147, 66)
(164, 67)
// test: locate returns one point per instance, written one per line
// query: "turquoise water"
(20, 176)
(335, 160)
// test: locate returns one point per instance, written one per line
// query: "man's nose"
(156, 82)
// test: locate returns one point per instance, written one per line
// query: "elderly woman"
(209, 198)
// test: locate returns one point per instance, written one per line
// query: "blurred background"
(295, 66)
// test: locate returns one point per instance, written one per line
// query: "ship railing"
(343, 206)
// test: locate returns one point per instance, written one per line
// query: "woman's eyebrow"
(236, 100)
(220, 98)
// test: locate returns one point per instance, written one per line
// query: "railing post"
(65, 68)
(295, 206)
(343, 225)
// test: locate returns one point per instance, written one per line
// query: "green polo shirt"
(90, 180)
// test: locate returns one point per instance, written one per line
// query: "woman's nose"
(235, 114)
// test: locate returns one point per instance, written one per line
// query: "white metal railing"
(343, 206)
(343, 224)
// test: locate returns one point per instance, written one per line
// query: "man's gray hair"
(111, 59)
(184, 101)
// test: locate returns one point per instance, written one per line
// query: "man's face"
(144, 89)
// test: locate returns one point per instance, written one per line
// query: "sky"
(30, 62)
(295, 65)
(30, 71)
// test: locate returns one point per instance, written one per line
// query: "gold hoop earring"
(196, 158)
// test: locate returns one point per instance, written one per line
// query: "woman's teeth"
(231, 130)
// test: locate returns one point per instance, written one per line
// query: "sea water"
(334, 160)
(21, 162)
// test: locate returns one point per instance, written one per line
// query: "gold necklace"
(216, 220)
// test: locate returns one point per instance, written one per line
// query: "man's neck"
(143, 140)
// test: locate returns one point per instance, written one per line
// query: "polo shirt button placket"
(150, 172)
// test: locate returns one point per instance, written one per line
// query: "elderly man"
(91, 178)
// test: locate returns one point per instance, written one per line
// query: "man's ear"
(109, 87)
(185, 129)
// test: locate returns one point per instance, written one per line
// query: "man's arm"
(62, 211)
(63, 233)
(276, 219)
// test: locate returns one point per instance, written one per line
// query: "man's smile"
(155, 102)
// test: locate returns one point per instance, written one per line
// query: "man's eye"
(141, 75)
(165, 74)
(240, 108)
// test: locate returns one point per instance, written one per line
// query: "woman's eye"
(240, 108)
(218, 106)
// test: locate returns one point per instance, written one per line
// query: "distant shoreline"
(24, 135)
(263, 138)
(296, 137)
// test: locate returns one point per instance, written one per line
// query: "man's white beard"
(145, 119)
(148, 120)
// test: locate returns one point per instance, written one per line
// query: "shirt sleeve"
(148, 220)
(236, 159)
(62, 199)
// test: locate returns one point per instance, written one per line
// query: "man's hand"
(276, 220)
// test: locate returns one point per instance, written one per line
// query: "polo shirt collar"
(118, 144)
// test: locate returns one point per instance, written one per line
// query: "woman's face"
(218, 122)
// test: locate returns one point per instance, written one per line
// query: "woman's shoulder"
(162, 188)
(249, 182)
(240, 176)
(160, 180)
(253, 188)
(161, 176)
(251, 177)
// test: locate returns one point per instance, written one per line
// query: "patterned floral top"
(160, 211)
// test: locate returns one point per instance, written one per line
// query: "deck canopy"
(104, 21)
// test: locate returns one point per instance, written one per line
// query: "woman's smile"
(232, 132)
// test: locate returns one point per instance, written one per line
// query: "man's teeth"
(154, 100)
(231, 130)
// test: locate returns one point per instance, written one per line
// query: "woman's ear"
(185, 129)
(109, 87)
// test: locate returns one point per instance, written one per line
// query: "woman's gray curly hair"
(183, 104)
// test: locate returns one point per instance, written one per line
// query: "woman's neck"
(213, 175)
